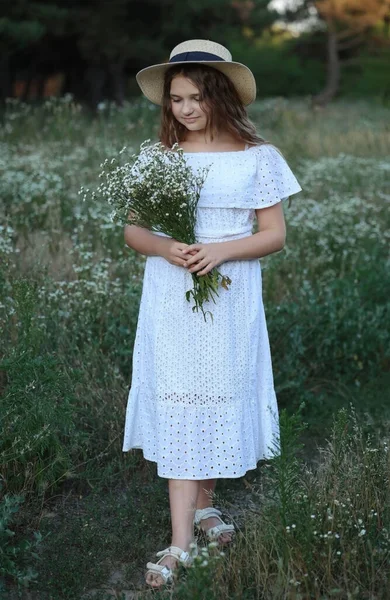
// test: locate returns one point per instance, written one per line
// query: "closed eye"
(180, 99)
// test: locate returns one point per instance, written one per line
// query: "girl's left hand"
(206, 258)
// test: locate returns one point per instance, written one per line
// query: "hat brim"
(151, 79)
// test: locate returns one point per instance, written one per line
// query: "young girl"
(202, 403)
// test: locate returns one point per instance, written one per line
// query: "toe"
(153, 580)
(225, 538)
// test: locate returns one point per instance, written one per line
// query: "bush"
(15, 553)
(277, 69)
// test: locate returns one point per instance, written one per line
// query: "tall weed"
(309, 532)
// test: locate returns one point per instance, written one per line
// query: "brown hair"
(219, 100)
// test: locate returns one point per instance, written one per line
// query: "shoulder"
(266, 149)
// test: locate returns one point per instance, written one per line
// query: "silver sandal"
(166, 574)
(213, 533)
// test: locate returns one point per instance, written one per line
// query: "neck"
(202, 137)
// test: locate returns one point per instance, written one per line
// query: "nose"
(187, 108)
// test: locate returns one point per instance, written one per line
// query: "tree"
(347, 23)
(97, 43)
(23, 25)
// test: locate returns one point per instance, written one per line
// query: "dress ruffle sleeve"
(274, 181)
(255, 178)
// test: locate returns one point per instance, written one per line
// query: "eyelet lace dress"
(202, 403)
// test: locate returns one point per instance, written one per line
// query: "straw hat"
(205, 52)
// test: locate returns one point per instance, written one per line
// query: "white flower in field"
(293, 526)
(338, 552)
(362, 533)
(192, 544)
(312, 516)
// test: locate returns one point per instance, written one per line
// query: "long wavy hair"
(218, 99)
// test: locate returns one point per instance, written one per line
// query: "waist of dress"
(218, 235)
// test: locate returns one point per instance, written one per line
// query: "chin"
(194, 126)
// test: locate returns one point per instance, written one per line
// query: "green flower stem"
(206, 289)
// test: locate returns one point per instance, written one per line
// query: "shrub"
(15, 553)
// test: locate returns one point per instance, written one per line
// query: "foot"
(209, 519)
(162, 571)
(224, 538)
(155, 580)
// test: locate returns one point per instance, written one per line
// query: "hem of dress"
(234, 476)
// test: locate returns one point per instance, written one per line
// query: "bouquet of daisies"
(159, 191)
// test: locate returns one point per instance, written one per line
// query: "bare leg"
(183, 494)
(205, 494)
(204, 500)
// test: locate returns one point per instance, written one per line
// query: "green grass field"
(76, 514)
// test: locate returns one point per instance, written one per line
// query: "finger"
(205, 271)
(200, 265)
(192, 247)
(194, 259)
(179, 263)
(181, 246)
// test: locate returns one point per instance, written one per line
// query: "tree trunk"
(117, 82)
(333, 70)
(5, 77)
(94, 79)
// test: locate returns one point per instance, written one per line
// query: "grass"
(69, 297)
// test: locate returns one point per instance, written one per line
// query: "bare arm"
(145, 242)
(148, 243)
(270, 238)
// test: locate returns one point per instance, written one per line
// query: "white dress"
(202, 402)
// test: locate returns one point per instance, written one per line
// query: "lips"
(191, 119)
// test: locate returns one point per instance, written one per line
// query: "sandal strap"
(215, 532)
(164, 571)
(177, 553)
(206, 513)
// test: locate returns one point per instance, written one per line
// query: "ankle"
(206, 503)
(183, 542)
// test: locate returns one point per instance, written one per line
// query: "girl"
(202, 403)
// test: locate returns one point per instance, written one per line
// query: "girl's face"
(185, 104)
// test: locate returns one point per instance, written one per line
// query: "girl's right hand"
(173, 253)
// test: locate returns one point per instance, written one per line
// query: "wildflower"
(362, 532)
(160, 178)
